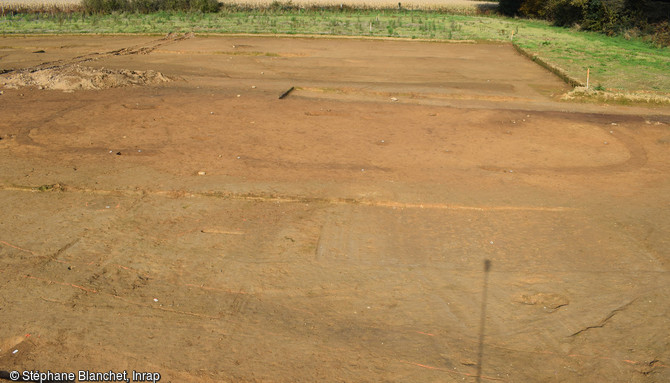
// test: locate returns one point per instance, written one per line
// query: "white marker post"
(588, 74)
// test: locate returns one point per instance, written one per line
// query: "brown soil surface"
(204, 229)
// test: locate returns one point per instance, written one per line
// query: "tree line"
(630, 18)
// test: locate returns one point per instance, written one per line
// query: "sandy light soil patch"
(76, 77)
(204, 229)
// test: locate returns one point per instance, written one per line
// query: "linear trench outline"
(261, 197)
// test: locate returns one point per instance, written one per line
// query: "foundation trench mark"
(297, 199)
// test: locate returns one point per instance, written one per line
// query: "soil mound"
(76, 77)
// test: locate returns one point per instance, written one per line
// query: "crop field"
(248, 207)
(422, 4)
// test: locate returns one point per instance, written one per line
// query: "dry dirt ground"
(198, 226)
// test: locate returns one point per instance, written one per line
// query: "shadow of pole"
(482, 321)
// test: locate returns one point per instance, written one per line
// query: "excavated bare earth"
(161, 209)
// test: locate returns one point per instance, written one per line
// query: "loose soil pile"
(77, 77)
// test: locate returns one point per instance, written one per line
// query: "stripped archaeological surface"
(207, 230)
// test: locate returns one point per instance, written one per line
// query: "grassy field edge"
(617, 66)
(561, 73)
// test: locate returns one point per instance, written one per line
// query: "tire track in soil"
(138, 49)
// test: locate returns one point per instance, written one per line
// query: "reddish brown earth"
(204, 229)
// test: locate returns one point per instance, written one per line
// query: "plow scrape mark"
(604, 321)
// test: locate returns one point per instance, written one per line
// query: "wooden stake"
(286, 93)
(588, 74)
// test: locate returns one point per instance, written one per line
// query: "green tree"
(509, 7)
(534, 8)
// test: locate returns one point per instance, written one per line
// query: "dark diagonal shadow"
(482, 320)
